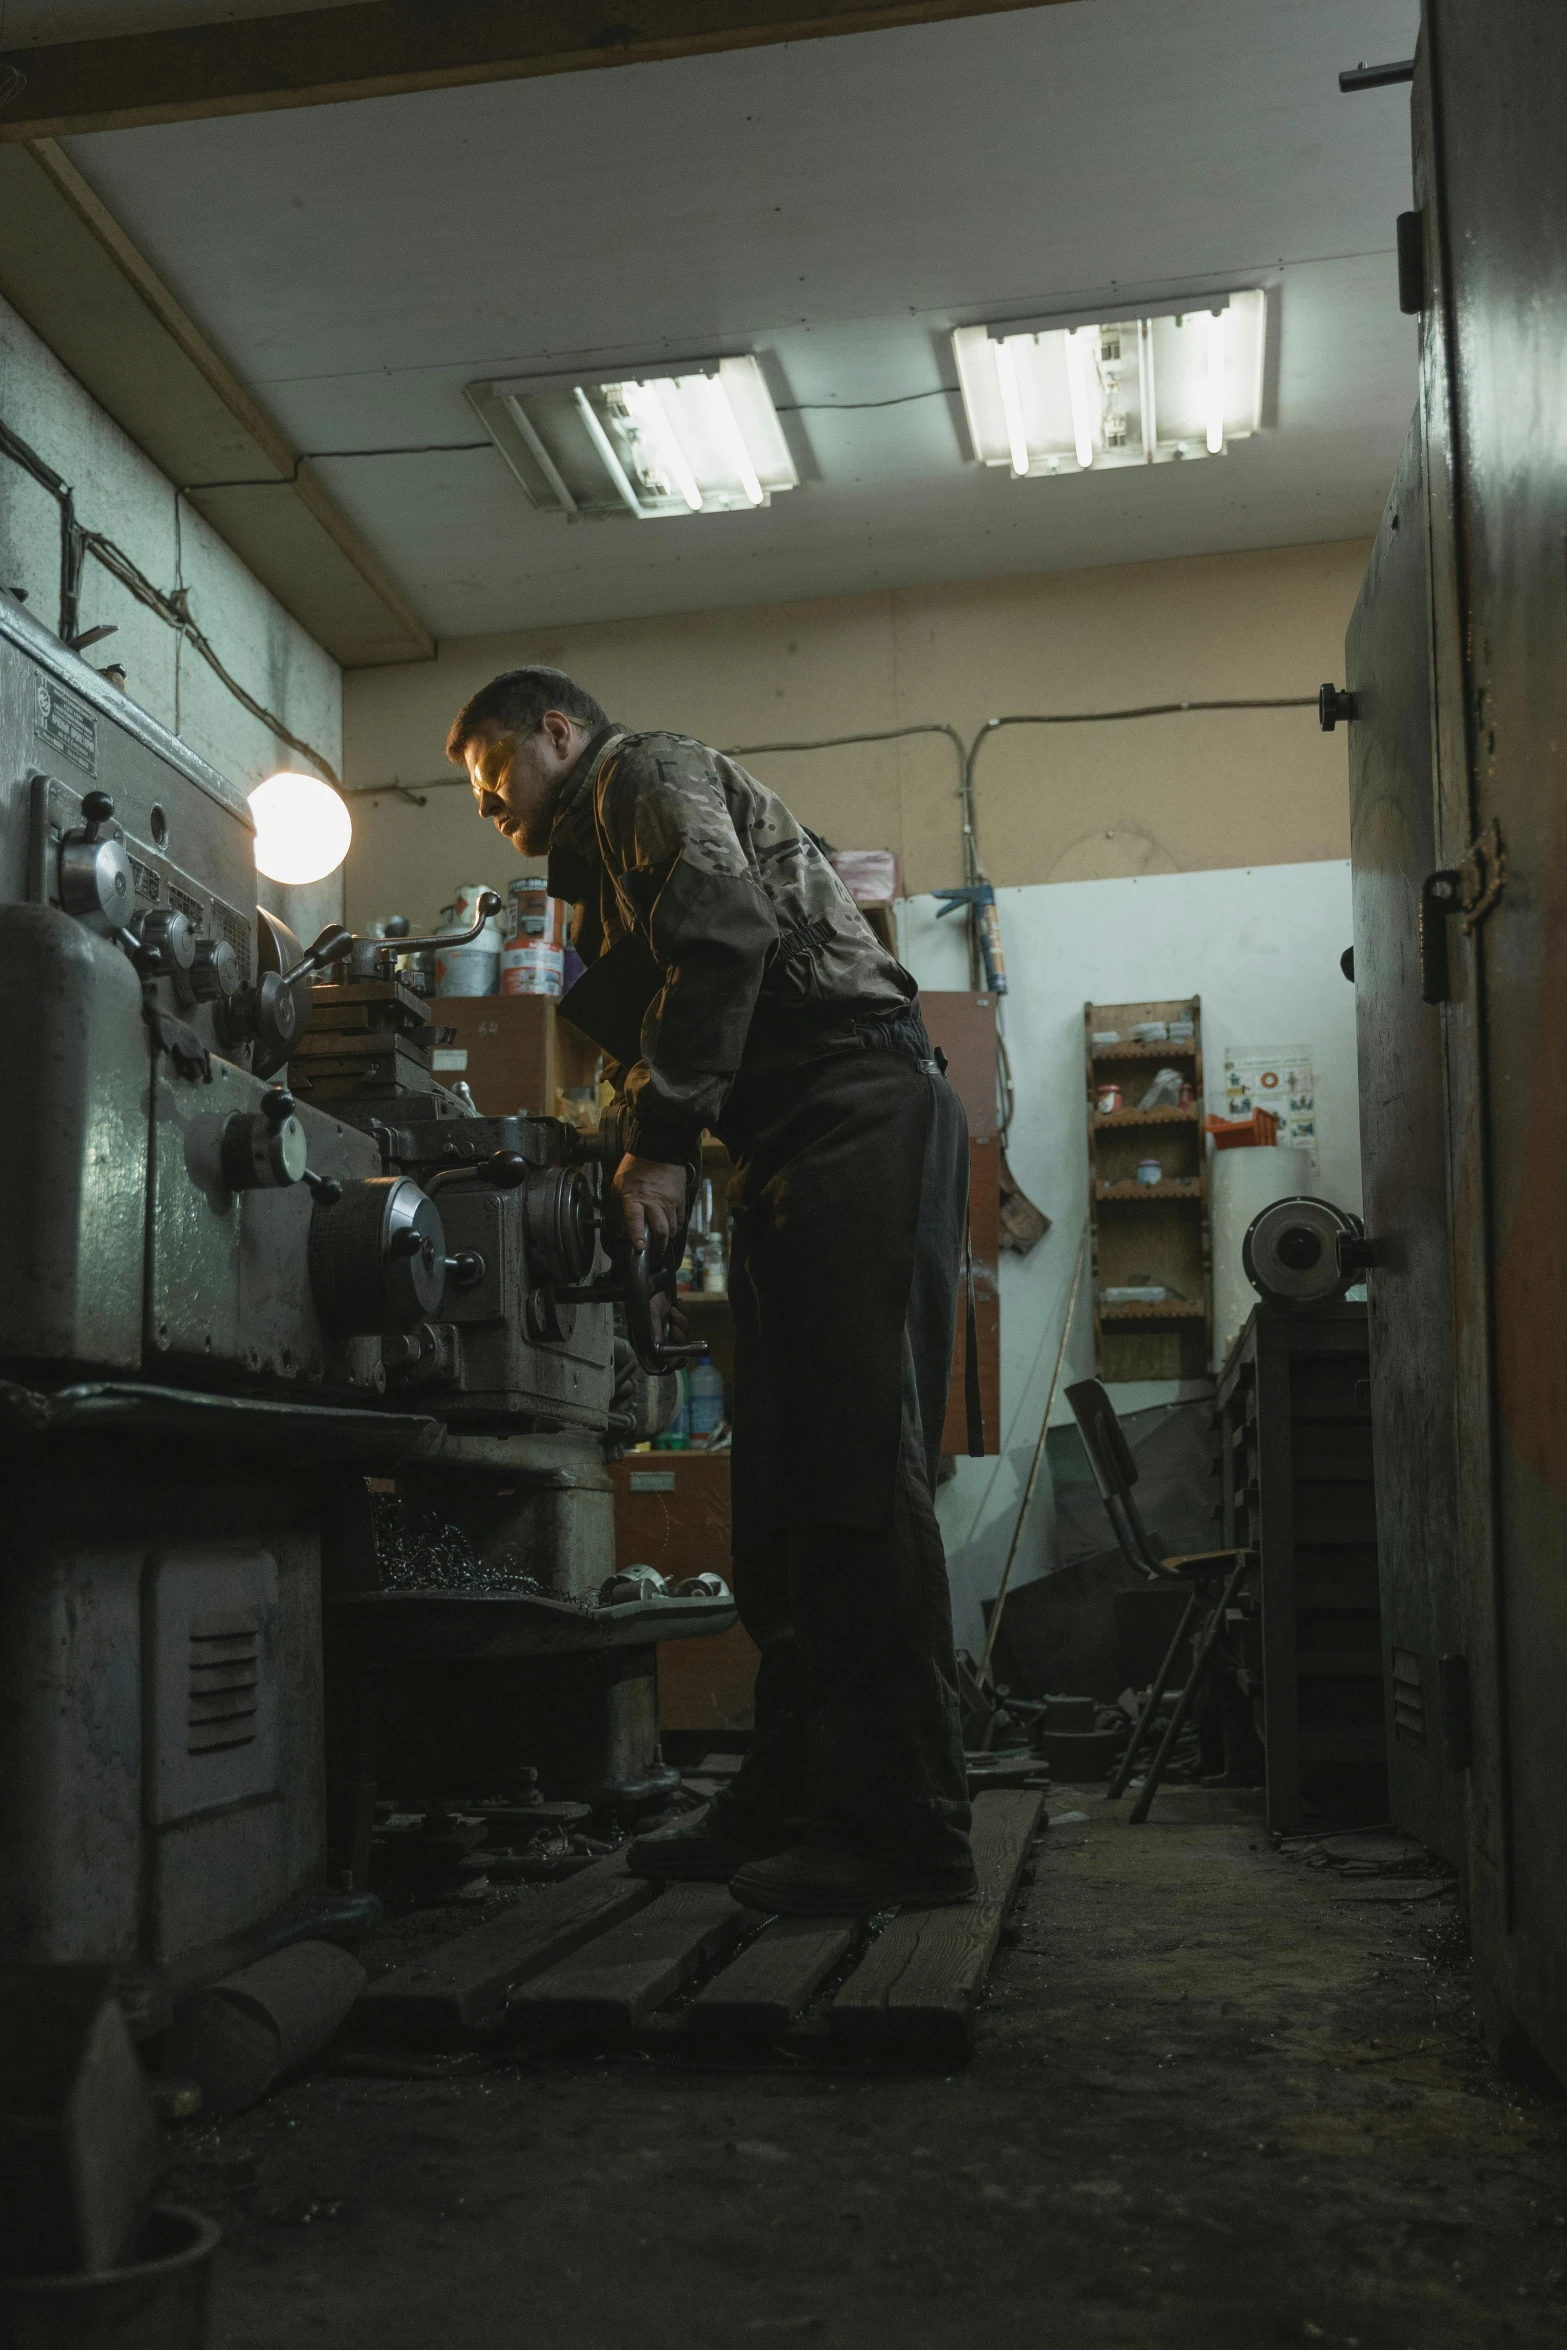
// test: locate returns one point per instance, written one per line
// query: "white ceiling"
(836, 206)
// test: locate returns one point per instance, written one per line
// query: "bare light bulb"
(303, 828)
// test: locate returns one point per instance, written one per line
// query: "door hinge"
(1469, 890)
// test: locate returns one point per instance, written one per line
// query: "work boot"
(707, 1853)
(816, 1879)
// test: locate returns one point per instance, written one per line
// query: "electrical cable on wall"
(77, 542)
(286, 481)
(975, 888)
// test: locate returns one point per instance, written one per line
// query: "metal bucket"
(158, 2302)
(467, 970)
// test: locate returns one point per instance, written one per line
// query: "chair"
(1215, 1577)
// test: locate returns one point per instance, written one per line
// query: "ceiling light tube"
(1077, 385)
(1215, 406)
(612, 465)
(1145, 390)
(1011, 407)
(730, 426)
(652, 410)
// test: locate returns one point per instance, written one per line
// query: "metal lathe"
(255, 1259)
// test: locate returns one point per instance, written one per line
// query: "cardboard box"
(672, 1513)
(515, 1051)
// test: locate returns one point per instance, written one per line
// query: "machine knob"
(266, 1016)
(166, 946)
(95, 873)
(214, 975)
(377, 1258)
(265, 1149)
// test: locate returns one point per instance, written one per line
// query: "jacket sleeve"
(684, 881)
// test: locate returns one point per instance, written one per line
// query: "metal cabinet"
(1298, 1489)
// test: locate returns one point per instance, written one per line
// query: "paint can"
(467, 970)
(528, 967)
(465, 913)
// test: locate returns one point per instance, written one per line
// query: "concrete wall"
(121, 493)
(1184, 793)
(1261, 948)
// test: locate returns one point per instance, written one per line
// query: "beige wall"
(1184, 793)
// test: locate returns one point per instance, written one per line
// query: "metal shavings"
(419, 1550)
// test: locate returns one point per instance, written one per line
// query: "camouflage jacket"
(697, 877)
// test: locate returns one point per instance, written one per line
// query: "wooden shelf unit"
(1157, 1230)
(1173, 1187)
(1144, 1052)
(1175, 1115)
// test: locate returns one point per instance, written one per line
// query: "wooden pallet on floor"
(608, 1959)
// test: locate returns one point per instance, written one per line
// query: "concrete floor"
(1220, 2097)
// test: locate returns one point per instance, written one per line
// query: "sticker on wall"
(1279, 1080)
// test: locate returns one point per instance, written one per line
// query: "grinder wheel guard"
(1302, 1252)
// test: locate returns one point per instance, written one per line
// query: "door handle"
(1439, 899)
(1471, 889)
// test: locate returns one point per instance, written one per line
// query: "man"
(737, 988)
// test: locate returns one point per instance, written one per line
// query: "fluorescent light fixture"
(303, 828)
(699, 438)
(1154, 388)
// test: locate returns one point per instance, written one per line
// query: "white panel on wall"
(1261, 947)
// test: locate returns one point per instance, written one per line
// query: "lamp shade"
(303, 828)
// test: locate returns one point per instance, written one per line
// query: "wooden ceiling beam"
(385, 48)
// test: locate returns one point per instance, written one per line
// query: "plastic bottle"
(705, 1400)
(714, 1276)
(677, 1435)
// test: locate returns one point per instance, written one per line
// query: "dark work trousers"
(849, 1213)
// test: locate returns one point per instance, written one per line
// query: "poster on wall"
(1279, 1080)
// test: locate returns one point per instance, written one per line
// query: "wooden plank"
(383, 48)
(961, 1022)
(917, 1984)
(985, 1237)
(773, 1978)
(623, 1975)
(464, 1984)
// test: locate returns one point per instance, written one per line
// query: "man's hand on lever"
(652, 1198)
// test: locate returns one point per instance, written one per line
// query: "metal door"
(1403, 1142)
(1495, 361)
